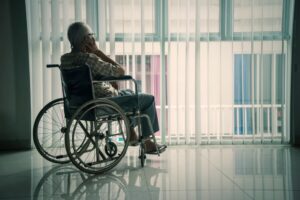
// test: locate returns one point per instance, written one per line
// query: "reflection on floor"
(182, 172)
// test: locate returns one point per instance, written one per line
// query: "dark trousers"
(147, 106)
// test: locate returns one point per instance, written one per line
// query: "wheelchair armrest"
(121, 78)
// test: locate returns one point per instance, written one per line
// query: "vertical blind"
(219, 69)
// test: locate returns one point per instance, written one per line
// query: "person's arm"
(104, 57)
(91, 47)
(107, 59)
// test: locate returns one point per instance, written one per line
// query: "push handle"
(52, 65)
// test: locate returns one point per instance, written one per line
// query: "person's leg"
(147, 107)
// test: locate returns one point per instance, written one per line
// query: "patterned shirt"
(98, 69)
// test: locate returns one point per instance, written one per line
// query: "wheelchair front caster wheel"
(111, 149)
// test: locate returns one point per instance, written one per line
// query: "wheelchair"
(92, 133)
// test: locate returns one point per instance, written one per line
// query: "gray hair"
(76, 33)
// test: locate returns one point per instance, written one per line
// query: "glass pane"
(182, 16)
(279, 78)
(266, 78)
(127, 16)
(242, 79)
(257, 15)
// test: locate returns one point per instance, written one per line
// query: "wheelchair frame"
(110, 148)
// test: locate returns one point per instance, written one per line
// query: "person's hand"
(115, 85)
(90, 45)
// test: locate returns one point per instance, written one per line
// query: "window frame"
(225, 30)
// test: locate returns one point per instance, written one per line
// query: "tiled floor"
(182, 172)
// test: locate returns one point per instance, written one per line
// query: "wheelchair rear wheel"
(107, 141)
(49, 130)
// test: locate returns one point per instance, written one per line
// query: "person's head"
(78, 33)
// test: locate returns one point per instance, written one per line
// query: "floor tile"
(201, 194)
(182, 172)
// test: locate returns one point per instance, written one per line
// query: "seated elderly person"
(85, 51)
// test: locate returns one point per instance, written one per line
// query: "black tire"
(110, 117)
(50, 123)
(142, 155)
(111, 149)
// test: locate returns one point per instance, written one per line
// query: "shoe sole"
(154, 152)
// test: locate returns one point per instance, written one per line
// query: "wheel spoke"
(93, 142)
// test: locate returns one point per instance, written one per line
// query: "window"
(182, 16)
(220, 66)
(127, 16)
(266, 104)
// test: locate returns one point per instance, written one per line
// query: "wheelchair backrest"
(77, 89)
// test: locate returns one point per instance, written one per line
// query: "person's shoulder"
(69, 59)
(64, 56)
(94, 59)
(66, 59)
(74, 54)
(92, 56)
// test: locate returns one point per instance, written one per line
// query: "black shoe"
(160, 148)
